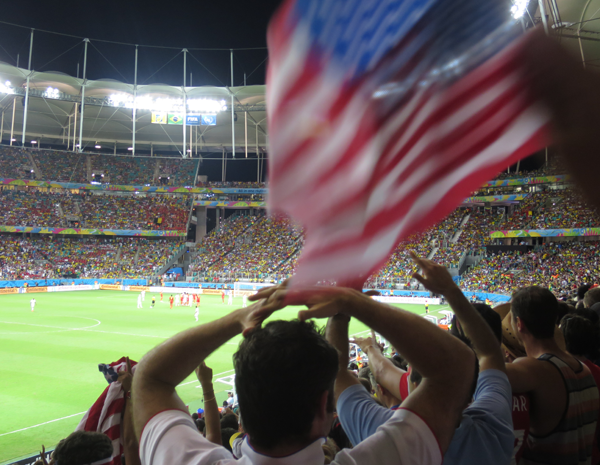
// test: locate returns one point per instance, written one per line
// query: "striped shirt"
(570, 443)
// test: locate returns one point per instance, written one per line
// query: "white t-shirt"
(171, 437)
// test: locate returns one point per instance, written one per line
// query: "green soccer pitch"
(49, 373)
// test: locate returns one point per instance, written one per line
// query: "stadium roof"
(576, 23)
(54, 96)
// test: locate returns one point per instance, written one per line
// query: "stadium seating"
(560, 266)
(65, 166)
(44, 208)
(90, 257)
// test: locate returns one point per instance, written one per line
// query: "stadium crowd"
(515, 384)
(63, 166)
(44, 207)
(48, 257)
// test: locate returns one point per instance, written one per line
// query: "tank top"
(570, 443)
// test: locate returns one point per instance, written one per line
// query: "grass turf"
(49, 374)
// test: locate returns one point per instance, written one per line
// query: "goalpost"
(246, 288)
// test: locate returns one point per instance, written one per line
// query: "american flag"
(384, 115)
(105, 415)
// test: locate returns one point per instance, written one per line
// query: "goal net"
(245, 288)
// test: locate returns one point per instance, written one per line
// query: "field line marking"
(81, 413)
(42, 424)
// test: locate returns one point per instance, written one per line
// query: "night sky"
(201, 24)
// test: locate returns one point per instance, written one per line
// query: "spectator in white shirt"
(291, 360)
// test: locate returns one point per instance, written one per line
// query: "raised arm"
(446, 364)
(337, 335)
(167, 365)
(385, 372)
(211, 409)
(437, 279)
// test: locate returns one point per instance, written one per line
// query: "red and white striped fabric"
(105, 415)
(363, 162)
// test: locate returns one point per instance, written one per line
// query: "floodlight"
(98, 146)
(34, 141)
(518, 9)
(130, 148)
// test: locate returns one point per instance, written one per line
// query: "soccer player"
(223, 296)
(197, 312)
(153, 301)
(244, 301)
(191, 299)
(139, 305)
(143, 295)
(171, 300)
(161, 296)
(426, 307)
(32, 303)
(229, 297)
(180, 299)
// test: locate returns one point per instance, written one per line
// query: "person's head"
(581, 335)
(534, 311)
(492, 318)
(194, 416)
(414, 379)
(564, 309)
(293, 354)
(226, 434)
(82, 447)
(366, 383)
(581, 290)
(591, 297)
(229, 421)
(589, 313)
(200, 424)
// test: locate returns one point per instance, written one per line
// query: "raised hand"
(436, 277)
(366, 343)
(204, 374)
(126, 377)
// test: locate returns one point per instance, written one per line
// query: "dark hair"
(366, 384)
(364, 372)
(581, 335)
(83, 447)
(230, 421)
(194, 416)
(588, 313)
(591, 297)
(491, 318)
(226, 434)
(581, 290)
(564, 309)
(537, 308)
(488, 314)
(415, 376)
(200, 424)
(293, 354)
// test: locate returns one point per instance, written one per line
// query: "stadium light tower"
(86, 41)
(27, 90)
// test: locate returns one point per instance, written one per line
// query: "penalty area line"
(41, 424)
